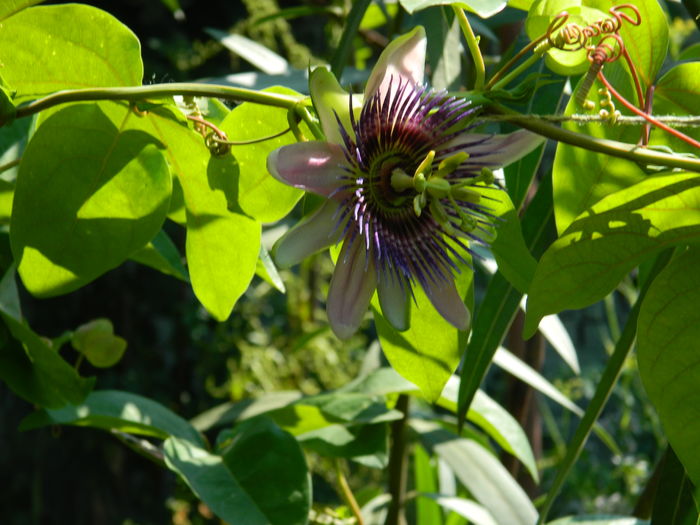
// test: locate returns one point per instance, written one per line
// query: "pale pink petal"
(495, 151)
(394, 300)
(447, 301)
(403, 60)
(316, 232)
(330, 100)
(313, 166)
(352, 286)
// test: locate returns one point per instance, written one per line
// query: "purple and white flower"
(401, 176)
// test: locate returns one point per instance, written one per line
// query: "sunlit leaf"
(602, 245)
(259, 194)
(222, 243)
(11, 7)
(117, 410)
(481, 472)
(161, 254)
(67, 47)
(483, 8)
(91, 191)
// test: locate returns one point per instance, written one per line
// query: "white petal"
(447, 301)
(316, 232)
(313, 166)
(352, 286)
(403, 60)
(495, 151)
(394, 300)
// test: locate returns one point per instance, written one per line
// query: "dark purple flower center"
(395, 133)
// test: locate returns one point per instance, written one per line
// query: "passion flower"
(401, 175)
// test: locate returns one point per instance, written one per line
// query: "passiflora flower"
(400, 174)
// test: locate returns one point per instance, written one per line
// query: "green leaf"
(480, 472)
(67, 47)
(514, 259)
(673, 500)
(474, 512)
(222, 244)
(91, 191)
(667, 335)
(259, 194)
(599, 519)
(33, 370)
(425, 476)
(97, 342)
(212, 482)
(243, 486)
(499, 305)
(429, 351)
(257, 54)
(678, 93)
(267, 270)
(541, 14)
(117, 410)
(580, 177)
(483, 8)
(495, 420)
(278, 480)
(12, 7)
(603, 244)
(365, 444)
(647, 43)
(161, 254)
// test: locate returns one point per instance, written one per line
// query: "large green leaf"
(678, 93)
(603, 244)
(647, 43)
(260, 479)
(90, 192)
(481, 472)
(514, 259)
(674, 498)
(11, 7)
(117, 410)
(270, 466)
(429, 351)
(581, 177)
(259, 194)
(48, 48)
(28, 364)
(222, 244)
(483, 8)
(667, 334)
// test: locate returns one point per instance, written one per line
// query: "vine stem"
(682, 136)
(155, 91)
(348, 496)
(473, 45)
(614, 148)
(398, 464)
(603, 390)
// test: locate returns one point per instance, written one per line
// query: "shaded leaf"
(161, 254)
(668, 331)
(28, 365)
(97, 342)
(270, 467)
